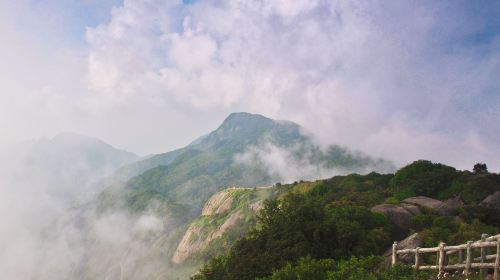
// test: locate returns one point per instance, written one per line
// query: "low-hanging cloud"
(283, 164)
(51, 227)
(287, 164)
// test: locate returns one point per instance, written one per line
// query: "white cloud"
(359, 73)
(283, 164)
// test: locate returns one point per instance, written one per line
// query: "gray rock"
(411, 242)
(413, 209)
(399, 217)
(493, 200)
(435, 205)
(455, 202)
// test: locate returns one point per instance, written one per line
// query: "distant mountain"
(155, 213)
(245, 150)
(237, 132)
(64, 164)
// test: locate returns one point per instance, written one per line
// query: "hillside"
(328, 227)
(66, 164)
(225, 217)
(241, 152)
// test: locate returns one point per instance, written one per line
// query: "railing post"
(468, 259)
(482, 271)
(496, 274)
(442, 256)
(417, 258)
(394, 253)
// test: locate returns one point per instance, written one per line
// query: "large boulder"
(435, 205)
(399, 217)
(413, 209)
(492, 201)
(411, 242)
(455, 202)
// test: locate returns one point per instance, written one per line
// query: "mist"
(50, 225)
(400, 81)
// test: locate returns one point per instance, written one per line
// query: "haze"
(402, 81)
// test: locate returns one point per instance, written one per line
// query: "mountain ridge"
(240, 131)
(224, 157)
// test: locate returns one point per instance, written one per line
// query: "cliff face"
(218, 203)
(225, 217)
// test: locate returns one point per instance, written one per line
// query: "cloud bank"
(401, 80)
(50, 230)
(404, 80)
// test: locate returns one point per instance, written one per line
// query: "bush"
(351, 269)
(424, 178)
(307, 268)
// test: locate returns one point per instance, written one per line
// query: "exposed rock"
(436, 205)
(218, 203)
(493, 200)
(411, 242)
(226, 225)
(399, 217)
(413, 209)
(190, 243)
(225, 205)
(454, 202)
(194, 241)
(256, 206)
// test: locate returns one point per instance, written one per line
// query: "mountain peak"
(71, 137)
(70, 141)
(244, 118)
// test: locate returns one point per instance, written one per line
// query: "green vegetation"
(189, 176)
(367, 268)
(424, 178)
(243, 203)
(351, 269)
(325, 229)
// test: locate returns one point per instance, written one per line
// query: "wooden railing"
(444, 254)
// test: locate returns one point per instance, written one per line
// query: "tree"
(480, 168)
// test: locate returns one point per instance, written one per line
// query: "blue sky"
(398, 79)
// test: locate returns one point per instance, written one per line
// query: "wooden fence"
(444, 254)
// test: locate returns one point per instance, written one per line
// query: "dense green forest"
(327, 229)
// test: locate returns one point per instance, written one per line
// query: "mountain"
(245, 150)
(344, 227)
(64, 165)
(160, 210)
(238, 131)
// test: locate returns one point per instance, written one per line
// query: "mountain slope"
(64, 164)
(353, 218)
(225, 217)
(247, 151)
(238, 131)
(241, 151)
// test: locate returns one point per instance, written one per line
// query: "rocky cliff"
(225, 217)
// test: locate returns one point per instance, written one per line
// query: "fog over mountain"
(40, 181)
(80, 208)
(64, 165)
(401, 81)
(330, 87)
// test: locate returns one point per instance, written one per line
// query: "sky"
(403, 80)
